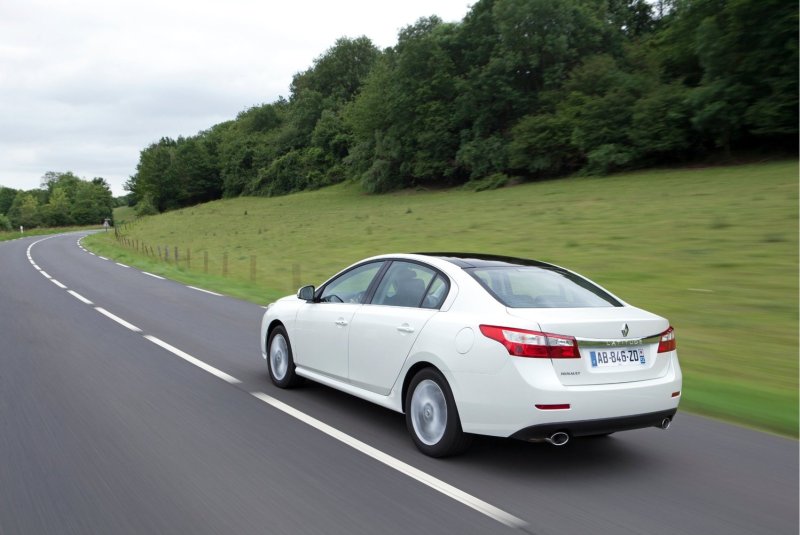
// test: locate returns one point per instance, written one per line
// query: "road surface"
(135, 404)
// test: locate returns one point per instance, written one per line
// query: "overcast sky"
(86, 84)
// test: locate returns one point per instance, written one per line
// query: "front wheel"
(280, 360)
(432, 416)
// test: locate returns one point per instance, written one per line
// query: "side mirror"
(306, 293)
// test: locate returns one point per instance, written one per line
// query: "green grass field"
(124, 214)
(715, 250)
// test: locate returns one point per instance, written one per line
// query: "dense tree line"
(63, 199)
(528, 88)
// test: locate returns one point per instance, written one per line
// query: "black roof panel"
(473, 260)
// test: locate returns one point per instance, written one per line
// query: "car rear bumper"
(601, 426)
(514, 401)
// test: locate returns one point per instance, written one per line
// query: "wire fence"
(243, 267)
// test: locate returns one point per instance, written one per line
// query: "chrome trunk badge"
(625, 330)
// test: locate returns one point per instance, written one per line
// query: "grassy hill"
(715, 250)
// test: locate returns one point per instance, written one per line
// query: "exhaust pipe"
(559, 438)
(665, 423)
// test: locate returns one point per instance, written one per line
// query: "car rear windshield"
(540, 287)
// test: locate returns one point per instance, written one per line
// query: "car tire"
(432, 417)
(280, 361)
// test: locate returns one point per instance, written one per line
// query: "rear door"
(384, 330)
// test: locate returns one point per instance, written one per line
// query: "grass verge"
(715, 250)
(13, 235)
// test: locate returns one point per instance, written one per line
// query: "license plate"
(629, 357)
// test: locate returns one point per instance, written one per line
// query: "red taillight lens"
(667, 341)
(533, 344)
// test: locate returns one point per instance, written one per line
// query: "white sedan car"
(475, 344)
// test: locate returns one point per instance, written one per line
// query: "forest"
(518, 90)
(62, 200)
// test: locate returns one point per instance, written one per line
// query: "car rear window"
(539, 287)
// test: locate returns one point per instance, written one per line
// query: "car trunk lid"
(617, 344)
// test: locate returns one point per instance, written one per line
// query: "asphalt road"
(104, 431)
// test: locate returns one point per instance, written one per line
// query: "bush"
(494, 181)
(145, 206)
(607, 158)
(5, 224)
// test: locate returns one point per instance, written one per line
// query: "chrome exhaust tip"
(559, 438)
(665, 423)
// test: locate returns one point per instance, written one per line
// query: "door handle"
(341, 322)
(406, 328)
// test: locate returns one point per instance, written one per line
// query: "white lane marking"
(119, 320)
(46, 274)
(54, 281)
(204, 291)
(103, 257)
(79, 297)
(405, 468)
(151, 275)
(91, 253)
(121, 265)
(197, 362)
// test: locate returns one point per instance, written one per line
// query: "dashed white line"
(205, 291)
(154, 276)
(79, 297)
(46, 274)
(121, 265)
(102, 257)
(119, 320)
(437, 484)
(405, 468)
(197, 362)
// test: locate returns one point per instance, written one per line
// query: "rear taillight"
(667, 341)
(533, 344)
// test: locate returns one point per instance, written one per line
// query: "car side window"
(436, 294)
(404, 285)
(351, 287)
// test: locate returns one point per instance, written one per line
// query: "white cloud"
(86, 84)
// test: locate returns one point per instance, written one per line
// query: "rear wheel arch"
(412, 371)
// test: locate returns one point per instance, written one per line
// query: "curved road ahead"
(134, 404)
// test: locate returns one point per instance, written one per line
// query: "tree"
(93, 203)
(24, 210)
(56, 213)
(338, 74)
(6, 198)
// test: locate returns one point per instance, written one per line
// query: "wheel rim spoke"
(279, 357)
(429, 412)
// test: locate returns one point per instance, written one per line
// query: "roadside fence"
(244, 267)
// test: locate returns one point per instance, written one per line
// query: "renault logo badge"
(625, 330)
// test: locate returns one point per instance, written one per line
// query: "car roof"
(475, 260)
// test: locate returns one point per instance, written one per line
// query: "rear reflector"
(533, 344)
(556, 407)
(667, 341)
(676, 394)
